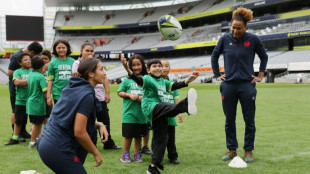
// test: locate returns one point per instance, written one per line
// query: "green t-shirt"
(132, 112)
(153, 90)
(170, 97)
(36, 104)
(21, 91)
(60, 71)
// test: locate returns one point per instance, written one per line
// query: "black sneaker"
(21, 139)
(115, 147)
(152, 170)
(174, 161)
(25, 135)
(11, 142)
(146, 150)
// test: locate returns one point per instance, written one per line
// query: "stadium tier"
(86, 18)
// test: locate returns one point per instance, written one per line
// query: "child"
(152, 106)
(134, 123)
(102, 92)
(145, 149)
(59, 70)
(47, 57)
(172, 98)
(20, 77)
(36, 104)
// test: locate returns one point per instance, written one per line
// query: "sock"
(15, 137)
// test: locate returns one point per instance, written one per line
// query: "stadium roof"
(66, 3)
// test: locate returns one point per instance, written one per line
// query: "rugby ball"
(170, 27)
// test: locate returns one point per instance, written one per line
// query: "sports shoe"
(229, 155)
(138, 157)
(21, 139)
(32, 145)
(115, 147)
(174, 161)
(11, 142)
(152, 170)
(126, 157)
(25, 134)
(145, 150)
(248, 157)
(191, 100)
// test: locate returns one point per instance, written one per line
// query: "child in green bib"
(156, 110)
(172, 98)
(134, 122)
(36, 104)
(59, 70)
(20, 77)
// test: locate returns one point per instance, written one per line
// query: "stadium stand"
(130, 40)
(4, 64)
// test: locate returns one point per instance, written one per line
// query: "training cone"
(237, 162)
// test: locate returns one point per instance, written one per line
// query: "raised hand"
(192, 77)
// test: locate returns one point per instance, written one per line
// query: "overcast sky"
(21, 7)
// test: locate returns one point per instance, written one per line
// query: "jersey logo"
(247, 44)
(231, 44)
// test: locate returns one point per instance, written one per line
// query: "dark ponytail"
(86, 66)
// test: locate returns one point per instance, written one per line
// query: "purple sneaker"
(138, 157)
(126, 157)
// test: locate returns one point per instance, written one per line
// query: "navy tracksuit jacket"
(238, 63)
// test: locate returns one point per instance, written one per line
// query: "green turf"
(282, 136)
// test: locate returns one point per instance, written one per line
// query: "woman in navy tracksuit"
(70, 131)
(238, 82)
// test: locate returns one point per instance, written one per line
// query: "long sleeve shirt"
(239, 56)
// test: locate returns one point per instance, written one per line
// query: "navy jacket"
(239, 56)
(78, 96)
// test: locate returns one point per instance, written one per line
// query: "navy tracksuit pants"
(60, 160)
(245, 92)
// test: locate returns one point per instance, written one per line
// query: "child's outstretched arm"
(125, 65)
(191, 78)
(137, 79)
(178, 85)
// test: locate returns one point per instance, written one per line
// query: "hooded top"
(78, 96)
(239, 56)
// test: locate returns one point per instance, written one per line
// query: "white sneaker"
(32, 145)
(191, 100)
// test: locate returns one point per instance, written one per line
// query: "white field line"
(287, 157)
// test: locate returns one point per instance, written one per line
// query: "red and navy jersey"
(239, 56)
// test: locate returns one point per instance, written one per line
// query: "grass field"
(282, 136)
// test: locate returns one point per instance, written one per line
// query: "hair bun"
(247, 14)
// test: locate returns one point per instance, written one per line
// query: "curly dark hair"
(242, 14)
(37, 62)
(21, 56)
(35, 47)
